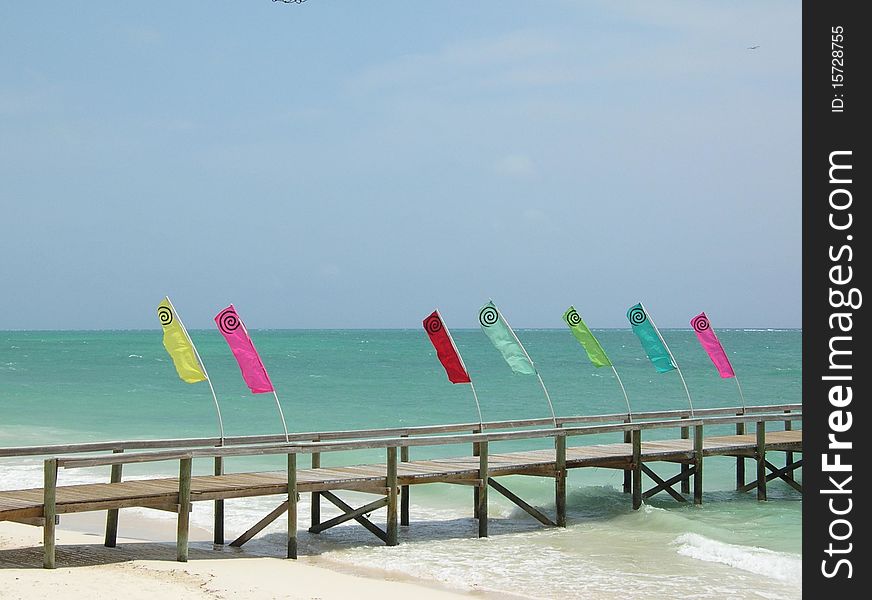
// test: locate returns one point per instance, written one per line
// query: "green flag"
(650, 338)
(579, 329)
(501, 335)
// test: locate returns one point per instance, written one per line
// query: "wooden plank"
(183, 526)
(373, 529)
(528, 508)
(482, 491)
(260, 525)
(292, 505)
(50, 480)
(392, 497)
(637, 468)
(111, 536)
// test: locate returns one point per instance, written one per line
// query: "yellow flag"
(178, 344)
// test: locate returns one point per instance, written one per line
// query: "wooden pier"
(774, 431)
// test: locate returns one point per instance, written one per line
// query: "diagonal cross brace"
(529, 509)
(373, 529)
(783, 473)
(667, 484)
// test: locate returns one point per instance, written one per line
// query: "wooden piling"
(111, 538)
(49, 495)
(315, 511)
(404, 496)
(184, 508)
(560, 480)
(482, 491)
(475, 490)
(218, 517)
(761, 460)
(788, 426)
(292, 505)
(628, 484)
(740, 461)
(392, 496)
(636, 440)
(697, 462)
(685, 480)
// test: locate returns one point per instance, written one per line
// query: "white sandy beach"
(88, 570)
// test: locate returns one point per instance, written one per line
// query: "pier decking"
(392, 480)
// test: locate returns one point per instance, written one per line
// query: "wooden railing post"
(636, 440)
(392, 496)
(761, 460)
(560, 480)
(184, 508)
(685, 480)
(315, 511)
(404, 496)
(788, 426)
(628, 475)
(697, 463)
(49, 499)
(475, 490)
(292, 505)
(111, 538)
(482, 490)
(218, 520)
(740, 460)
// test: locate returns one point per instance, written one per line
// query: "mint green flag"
(579, 329)
(651, 341)
(501, 335)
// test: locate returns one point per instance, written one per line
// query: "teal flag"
(579, 329)
(650, 338)
(505, 340)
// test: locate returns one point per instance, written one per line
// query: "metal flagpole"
(739, 385)
(674, 362)
(627, 398)
(202, 366)
(532, 364)
(462, 364)
(282, 415)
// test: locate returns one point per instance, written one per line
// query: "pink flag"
(712, 345)
(253, 371)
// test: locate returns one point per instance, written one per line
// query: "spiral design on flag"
(488, 316)
(433, 324)
(228, 321)
(165, 315)
(573, 318)
(637, 316)
(700, 323)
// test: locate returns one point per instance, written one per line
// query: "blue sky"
(356, 164)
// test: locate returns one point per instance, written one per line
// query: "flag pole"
(741, 395)
(532, 364)
(202, 366)
(282, 415)
(627, 398)
(462, 364)
(674, 362)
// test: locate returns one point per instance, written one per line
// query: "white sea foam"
(777, 565)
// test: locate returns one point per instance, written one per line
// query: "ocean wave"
(760, 561)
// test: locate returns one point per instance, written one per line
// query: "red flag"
(445, 349)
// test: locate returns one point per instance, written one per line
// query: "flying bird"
(753, 47)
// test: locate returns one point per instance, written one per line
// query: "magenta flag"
(712, 345)
(253, 371)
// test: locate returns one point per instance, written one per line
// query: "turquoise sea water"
(100, 385)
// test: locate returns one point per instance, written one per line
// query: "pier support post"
(111, 537)
(628, 475)
(482, 491)
(788, 456)
(49, 490)
(315, 511)
(685, 479)
(697, 463)
(740, 461)
(475, 490)
(392, 497)
(292, 505)
(637, 468)
(218, 508)
(184, 506)
(404, 495)
(761, 460)
(560, 481)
